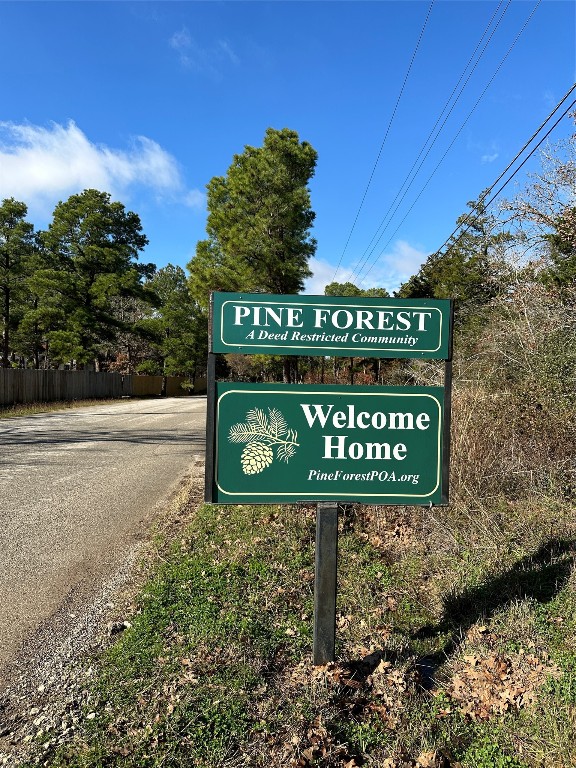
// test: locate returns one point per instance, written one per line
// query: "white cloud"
(322, 275)
(40, 165)
(182, 42)
(395, 267)
(390, 270)
(404, 258)
(210, 60)
(195, 199)
(227, 50)
(488, 151)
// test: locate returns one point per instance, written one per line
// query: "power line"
(471, 218)
(385, 137)
(430, 177)
(482, 199)
(368, 251)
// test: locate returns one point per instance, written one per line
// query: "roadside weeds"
(443, 658)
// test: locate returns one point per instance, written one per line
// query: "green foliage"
(17, 244)
(180, 328)
(201, 600)
(363, 736)
(76, 293)
(349, 289)
(486, 754)
(470, 270)
(564, 688)
(259, 221)
(150, 368)
(93, 244)
(562, 241)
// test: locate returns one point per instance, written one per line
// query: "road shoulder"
(43, 689)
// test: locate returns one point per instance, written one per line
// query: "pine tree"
(259, 221)
(16, 250)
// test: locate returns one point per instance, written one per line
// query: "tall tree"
(180, 326)
(134, 342)
(546, 204)
(94, 244)
(259, 220)
(543, 214)
(38, 311)
(16, 248)
(470, 270)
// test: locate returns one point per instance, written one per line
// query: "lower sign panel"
(289, 443)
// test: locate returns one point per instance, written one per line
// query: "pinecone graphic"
(256, 457)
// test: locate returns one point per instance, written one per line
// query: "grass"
(30, 409)
(444, 659)
(456, 628)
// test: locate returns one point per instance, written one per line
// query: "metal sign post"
(325, 582)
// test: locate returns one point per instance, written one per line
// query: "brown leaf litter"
(491, 685)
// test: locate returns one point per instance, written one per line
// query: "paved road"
(77, 489)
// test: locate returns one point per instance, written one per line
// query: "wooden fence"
(30, 386)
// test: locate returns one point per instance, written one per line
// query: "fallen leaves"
(429, 759)
(484, 686)
(319, 739)
(390, 531)
(371, 690)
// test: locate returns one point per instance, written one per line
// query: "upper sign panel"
(336, 326)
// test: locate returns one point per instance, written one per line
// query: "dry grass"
(30, 409)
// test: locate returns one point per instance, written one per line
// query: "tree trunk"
(5, 362)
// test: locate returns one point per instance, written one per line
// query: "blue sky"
(149, 100)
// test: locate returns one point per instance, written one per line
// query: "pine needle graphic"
(261, 432)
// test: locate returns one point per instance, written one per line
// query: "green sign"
(289, 443)
(331, 326)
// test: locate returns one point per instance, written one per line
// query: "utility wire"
(454, 139)
(368, 251)
(384, 139)
(482, 198)
(472, 217)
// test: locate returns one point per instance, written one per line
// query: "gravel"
(45, 695)
(44, 691)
